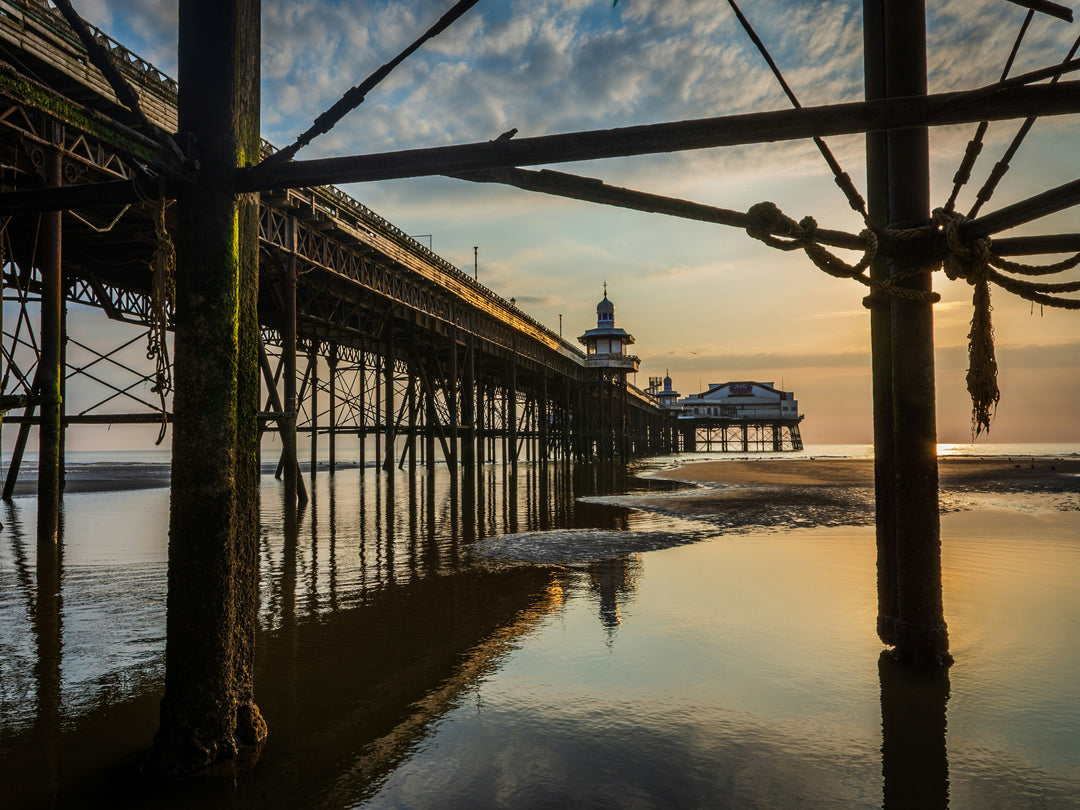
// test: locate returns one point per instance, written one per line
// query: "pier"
(293, 308)
(364, 332)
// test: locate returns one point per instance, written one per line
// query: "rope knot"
(969, 261)
(767, 219)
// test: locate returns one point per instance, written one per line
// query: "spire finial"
(605, 288)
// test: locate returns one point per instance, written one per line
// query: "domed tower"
(606, 344)
(669, 397)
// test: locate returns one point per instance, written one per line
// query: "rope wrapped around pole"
(777, 230)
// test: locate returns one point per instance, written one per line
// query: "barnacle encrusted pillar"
(208, 711)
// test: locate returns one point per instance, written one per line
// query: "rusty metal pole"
(921, 635)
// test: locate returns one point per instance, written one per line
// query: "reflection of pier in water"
(373, 624)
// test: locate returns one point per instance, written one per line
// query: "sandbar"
(954, 472)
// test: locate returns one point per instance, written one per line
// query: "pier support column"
(362, 416)
(921, 635)
(542, 416)
(208, 710)
(331, 364)
(452, 400)
(313, 378)
(468, 413)
(877, 200)
(52, 372)
(481, 436)
(294, 487)
(511, 411)
(388, 392)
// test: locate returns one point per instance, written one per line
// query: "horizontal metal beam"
(97, 419)
(67, 198)
(1046, 7)
(1034, 245)
(767, 127)
(1048, 202)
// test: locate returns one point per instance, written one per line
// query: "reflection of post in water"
(290, 629)
(915, 763)
(313, 590)
(333, 543)
(468, 504)
(390, 539)
(455, 534)
(611, 580)
(510, 494)
(48, 635)
(431, 550)
(379, 567)
(481, 489)
(414, 539)
(492, 500)
(544, 499)
(289, 551)
(363, 530)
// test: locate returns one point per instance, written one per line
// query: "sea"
(552, 635)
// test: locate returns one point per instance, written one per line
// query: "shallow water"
(531, 641)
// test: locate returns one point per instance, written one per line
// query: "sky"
(706, 303)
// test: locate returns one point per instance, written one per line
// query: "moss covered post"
(208, 712)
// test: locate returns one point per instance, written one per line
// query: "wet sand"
(955, 472)
(741, 494)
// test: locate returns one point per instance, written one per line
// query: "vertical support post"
(624, 417)
(388, 392)
(452, 399)
(569, 419)
(511, 409)
(63, 382)
(363, 411)
(432, 416)
(51, 378)
(313, 371)
(414, 421)
(208, 710)
(543, 415)
(480, 438)
(332, 362)
(877, 185)
(288, 349)
(921, 635)
(468, 410)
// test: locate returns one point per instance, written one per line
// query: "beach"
(665, 636)
(954, 472)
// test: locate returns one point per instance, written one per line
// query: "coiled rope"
(973, 261)
(162, 296)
